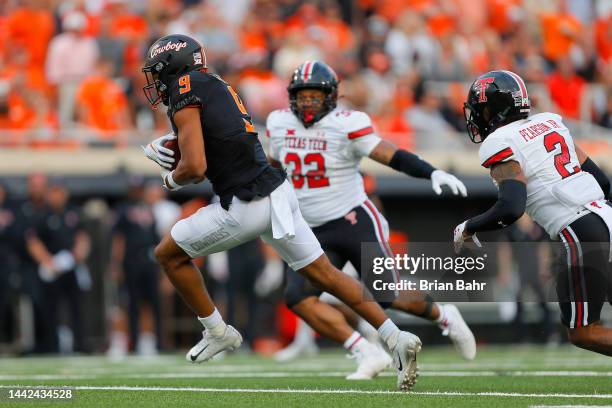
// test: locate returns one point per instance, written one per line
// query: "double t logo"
(481, 86)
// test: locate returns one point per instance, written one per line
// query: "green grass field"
(512, 376)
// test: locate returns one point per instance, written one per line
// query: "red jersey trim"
(498, 157)
(361, 132)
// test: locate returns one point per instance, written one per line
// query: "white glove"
(64, 261)
(163, 173)
(47, 275)
(441, 178)
(459, 239)
(158, 153)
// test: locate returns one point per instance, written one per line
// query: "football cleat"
(458, 331)
(371, 360)
(404, 354)
(295, 350)
(210, 346)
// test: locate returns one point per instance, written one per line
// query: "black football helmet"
(314, 75)
(167, 59)
(495, 99)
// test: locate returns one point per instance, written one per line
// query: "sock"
(389, 332)
(214, 324)
(441, 320)
(368, 331)
(353, 340)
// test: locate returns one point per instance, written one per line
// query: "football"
(174, 146)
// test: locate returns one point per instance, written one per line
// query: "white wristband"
(170, 183)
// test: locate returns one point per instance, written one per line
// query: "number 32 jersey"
(557, 188)
(322, 161)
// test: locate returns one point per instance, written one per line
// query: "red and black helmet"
(167, 59)
(314, 75)
(495, 99)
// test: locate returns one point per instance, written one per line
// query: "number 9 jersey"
(237, 164)
(557, 189)
(322, 160)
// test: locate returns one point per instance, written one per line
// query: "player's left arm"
(511, 199)
(508, 208)
(409, 163)
(589, 166)
(192, 166)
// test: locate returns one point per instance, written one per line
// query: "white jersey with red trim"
(322, 161)
(557, 189)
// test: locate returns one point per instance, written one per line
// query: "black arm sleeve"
(411, 164)
(603, 180)
(509, 207)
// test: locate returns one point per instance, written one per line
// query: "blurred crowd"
(70, 69)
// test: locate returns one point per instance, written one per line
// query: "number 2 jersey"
(236, 162)
(557, 188)
(323, 160)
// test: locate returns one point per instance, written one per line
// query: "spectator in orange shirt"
(559, 31)
(391, 125)
(603, 37)
(25, 109)
(503, 15)
(30, 26)
(339, 35)
(566, 89)
(102, 104)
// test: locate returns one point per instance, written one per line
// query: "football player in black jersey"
(217, 141)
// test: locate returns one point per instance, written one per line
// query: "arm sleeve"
(603, 180)
(509, 207)
(360, 132)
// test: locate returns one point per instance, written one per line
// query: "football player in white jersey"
(321, 146)
(539, 170)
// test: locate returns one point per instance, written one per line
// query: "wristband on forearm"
(411, 164)
(509, 207)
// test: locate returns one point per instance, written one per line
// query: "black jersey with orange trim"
(236, 162)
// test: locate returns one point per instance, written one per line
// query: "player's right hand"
(158, 153)
(460, 235)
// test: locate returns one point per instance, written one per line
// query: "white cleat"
(210, 346)
(404, 357)
(458, 331)
(371, 360)
(295, 350)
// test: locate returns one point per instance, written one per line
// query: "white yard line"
(570, 406)
(293, 374)
(319, 391)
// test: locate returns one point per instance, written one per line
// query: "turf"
(511, 376)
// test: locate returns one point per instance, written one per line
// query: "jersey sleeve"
(361, 134)
(183, 93)
(495, 150)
